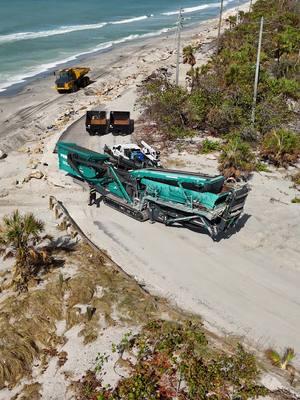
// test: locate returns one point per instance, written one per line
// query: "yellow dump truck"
(71, 79)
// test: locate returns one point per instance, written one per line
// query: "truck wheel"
(85, 81)
(131, 126)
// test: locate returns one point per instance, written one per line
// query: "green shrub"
(281, 147)
(173, 360)
(209, 146)
(271, 113)
(286, 87)
(222, 90)
(222, 119)
(260, 167)
(296, 200)
(236, 159)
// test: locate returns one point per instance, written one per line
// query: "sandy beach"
(246, 285)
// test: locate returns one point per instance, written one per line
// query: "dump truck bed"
(80, 71)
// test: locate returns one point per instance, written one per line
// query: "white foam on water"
(62, 30)
(197, 8)
(53, 32)
(16, 79)
(130, 20)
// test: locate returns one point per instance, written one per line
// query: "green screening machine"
(168, 196)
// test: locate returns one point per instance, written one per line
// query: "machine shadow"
(222, 236)
(232, 231)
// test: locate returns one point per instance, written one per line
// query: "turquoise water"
(37, 35)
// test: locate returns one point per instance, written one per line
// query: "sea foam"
(16, 79)
(197, 8)
(62, 30)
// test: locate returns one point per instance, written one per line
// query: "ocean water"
(38, 35)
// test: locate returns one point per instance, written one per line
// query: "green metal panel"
(179, 195)
(64, 149)
(177, 176)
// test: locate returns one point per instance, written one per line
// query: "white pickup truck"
(131, 156)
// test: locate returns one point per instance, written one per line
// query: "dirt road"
(247, 284)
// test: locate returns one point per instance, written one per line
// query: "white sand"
(247, 285)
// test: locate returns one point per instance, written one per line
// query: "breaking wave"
(13, 37)
(197, 8)
(16, 79)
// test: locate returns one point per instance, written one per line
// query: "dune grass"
(98, 295)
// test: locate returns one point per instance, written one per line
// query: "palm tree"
(188, 56)
(284, 361)
(194, 75)
(232, 21)
(19, 236)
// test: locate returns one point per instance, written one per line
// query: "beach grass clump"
(210, 146)
(97, 295)
(27, 325)
(237, 159)
(283, 361)
(281, 147)
(31, 391)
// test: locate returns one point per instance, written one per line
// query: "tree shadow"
(62, 243)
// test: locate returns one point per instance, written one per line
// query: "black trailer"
(120, 122)
(96, 122)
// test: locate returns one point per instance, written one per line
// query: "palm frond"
(288, 355)
(273, 356)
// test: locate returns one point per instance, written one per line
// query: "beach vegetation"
(28, 323)
(169, 359)
(189, 56)
(20, 235)
(281, 147)
(210, 146)
(237, 159)
(261, 167)
(220, 96)
(283, 361)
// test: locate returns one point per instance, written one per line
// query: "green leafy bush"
(286, 87)
(173, 360)
(167, 105)
(221, 91)
(236, 159)
(271, 113)
(210, 146)
(296, 200)
(281, 147)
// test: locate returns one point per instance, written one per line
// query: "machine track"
(125, 208)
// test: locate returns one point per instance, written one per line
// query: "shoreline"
(35, 104)
(17, 87)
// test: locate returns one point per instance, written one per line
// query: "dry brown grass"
(30, 392)
(28, 321)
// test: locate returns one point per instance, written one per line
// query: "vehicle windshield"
(64, 77)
